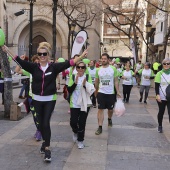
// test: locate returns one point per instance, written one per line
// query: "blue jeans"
(24, 87)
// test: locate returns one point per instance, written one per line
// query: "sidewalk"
(133, 142)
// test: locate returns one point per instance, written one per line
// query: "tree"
(6, 71)
(81, 12)
(54, 28)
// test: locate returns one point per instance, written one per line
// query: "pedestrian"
(44, 89)
(92, 72)
(24, 82)
(156, 66)
(80, 88)
(34, 59)
(138, 66)
(127, 83)
(162, 80)
(106, 80)
(146, 76)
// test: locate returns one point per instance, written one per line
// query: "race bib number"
(105, 82)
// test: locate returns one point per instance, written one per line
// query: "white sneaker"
(80, 145)
(74, 137)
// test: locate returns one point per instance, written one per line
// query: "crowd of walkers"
(93, 84)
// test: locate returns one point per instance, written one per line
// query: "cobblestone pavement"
(133, 142)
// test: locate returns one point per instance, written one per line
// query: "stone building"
(18, 28)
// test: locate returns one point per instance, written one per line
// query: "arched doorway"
(35, 43)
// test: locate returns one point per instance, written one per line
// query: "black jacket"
(43, 84)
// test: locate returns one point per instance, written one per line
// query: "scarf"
(166, 71)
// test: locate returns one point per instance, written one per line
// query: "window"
(114, 41)
(153, 16)
(113, 19)
(112, 31)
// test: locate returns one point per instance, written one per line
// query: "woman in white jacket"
(80, 87)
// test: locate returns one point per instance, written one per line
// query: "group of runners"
(85, 84)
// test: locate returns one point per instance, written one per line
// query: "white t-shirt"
(92, 72)
(106, 79)
(44, 68)
(138, 66)
(145, 78)
(128, 77)
(76, 92)
(163, 85)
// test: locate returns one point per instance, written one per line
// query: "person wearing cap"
(156, 67)
(146, 76)
(119, 70)
(138, 67)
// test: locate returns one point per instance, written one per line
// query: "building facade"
(18, 28)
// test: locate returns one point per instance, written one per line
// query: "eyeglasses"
(166, 64)
(42, 54)
(81, 67)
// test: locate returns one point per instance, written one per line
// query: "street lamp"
(31, 27)
(21, 12)
(73, 26)
(148, 29)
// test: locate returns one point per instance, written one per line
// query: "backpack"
(167, 91)
(87, 77)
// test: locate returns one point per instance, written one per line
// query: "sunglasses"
(42, 54)
(81, 67)
(166, 64)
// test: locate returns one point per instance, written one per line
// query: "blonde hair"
(46, 46)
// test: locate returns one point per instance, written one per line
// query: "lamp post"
(31, 24)
(101, 46)
(73, 26)
(31, 27)
(148, 29)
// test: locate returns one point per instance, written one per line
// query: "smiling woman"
(44, 88)
(162, 81)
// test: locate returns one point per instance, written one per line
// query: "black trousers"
(161, 111)
(126, 91)
(78, 122)
(44, 111)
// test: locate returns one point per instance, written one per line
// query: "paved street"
(133, 142)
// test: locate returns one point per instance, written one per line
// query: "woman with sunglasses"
(79, 82)
(146, 76)
(162, 80)
(44, 89)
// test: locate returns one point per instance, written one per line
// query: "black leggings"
(126, 91)
(161, 112)
(78, 122)
(44, 111)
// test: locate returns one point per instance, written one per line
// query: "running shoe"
(38, 136)
(47, 157)
(145, 102)
(110, 122)
(140, 100)
(99, 131)
(35, 135)
(42, 149)
(94, 106)
(74, 137)
(80, 145)
(160, 129)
